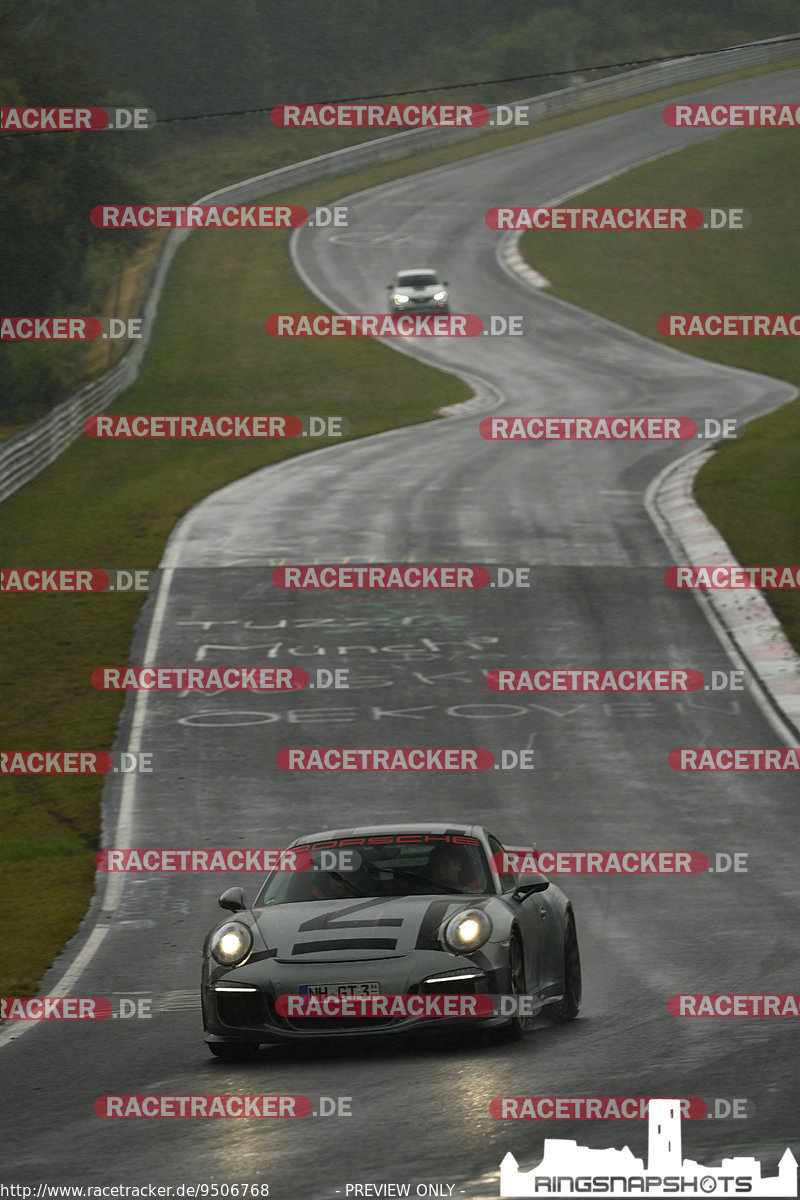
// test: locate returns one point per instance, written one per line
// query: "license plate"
(340, 989)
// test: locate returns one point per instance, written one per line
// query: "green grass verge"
(113, 504)
(750, 489)
(110, 504)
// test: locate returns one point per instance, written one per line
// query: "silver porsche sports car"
(389, 928)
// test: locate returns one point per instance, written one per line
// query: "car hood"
(353, 930)
(421, 293)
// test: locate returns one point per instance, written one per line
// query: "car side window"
(508, 881)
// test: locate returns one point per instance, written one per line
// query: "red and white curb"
(742, 618)
(514, 264)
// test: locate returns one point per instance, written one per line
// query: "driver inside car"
(454, 867)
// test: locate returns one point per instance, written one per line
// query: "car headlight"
(440, 295)
(399, 298)
(468, 931)
(232, 943)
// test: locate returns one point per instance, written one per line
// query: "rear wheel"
(233, 1051)
(568, 1007)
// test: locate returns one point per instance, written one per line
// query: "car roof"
(434, 827)
(419, 271)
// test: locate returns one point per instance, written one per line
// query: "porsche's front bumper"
(240, 1004)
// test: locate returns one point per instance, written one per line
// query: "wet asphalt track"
(437, 493)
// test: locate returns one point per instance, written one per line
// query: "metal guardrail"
(27, 453)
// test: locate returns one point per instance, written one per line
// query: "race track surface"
(439, 493)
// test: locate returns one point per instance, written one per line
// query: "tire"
(234, 1051)
(517, 1026)
(568, 1008)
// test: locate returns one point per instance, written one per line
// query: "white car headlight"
(232, 943)
(399, 298)
(440, 295)
(468, 931)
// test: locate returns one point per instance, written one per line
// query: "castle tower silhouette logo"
(568, 1169)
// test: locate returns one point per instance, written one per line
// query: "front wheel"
(568, 1007)
(518, 1025)
(233, 1051)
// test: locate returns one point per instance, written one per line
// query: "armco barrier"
(28, 452)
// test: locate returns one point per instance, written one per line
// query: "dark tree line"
(53, 261)
(194, 56)
(202, 56)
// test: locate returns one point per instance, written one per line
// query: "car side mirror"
(530, 884)
(446, 282)
(233, 899)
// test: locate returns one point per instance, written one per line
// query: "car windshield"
(417, 279)
(437, 866)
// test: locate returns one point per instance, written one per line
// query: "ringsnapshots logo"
(568, 1169)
